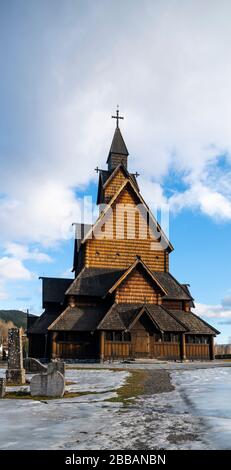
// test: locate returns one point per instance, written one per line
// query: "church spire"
(118, 152)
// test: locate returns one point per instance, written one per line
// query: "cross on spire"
(117, 117)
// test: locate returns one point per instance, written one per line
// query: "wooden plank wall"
(173, 304)
(123, 237)
(117, 350)
(165, 349)
(114, 185)
(197, 351)
(137, 288)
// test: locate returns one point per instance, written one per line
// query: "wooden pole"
(53, 345)
(211, 349)
(101, 346)
(182, 347)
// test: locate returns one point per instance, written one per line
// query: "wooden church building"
(123, 301)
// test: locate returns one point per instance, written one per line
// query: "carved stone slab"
(47, 385)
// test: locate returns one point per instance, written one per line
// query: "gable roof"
(119, 316)
(114, 173)
(53, 289)
(107, 175)
(94, 281)
(123, 316)
(151, 216)
(98, 282)
(138, 262)
(193, 323)
(163, 318)
(84, 318)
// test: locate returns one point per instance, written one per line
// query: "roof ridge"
(58, 318)
(75, 280)
(129, 271)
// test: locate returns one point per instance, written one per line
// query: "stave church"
(123, 302)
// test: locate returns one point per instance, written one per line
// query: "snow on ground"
(208, 396)
(95, 380)
(196, 415)
(92, 422)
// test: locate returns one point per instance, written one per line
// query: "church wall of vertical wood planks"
(123, 302)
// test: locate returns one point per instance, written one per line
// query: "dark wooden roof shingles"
(84, 318)
(193, 323)
(174, 289)
(94, 281)
(164, 319)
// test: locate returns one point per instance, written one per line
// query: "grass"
(126, 394)
(133, 387)
(24, 395)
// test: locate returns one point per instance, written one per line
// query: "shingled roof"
(53, 289)
(118, 145)
(94, 281)
(193, 323)
(98, 281)
(164, 320)
(122, 316)
(119, 316)
(85, 318)
(172, 286)
(41, 325)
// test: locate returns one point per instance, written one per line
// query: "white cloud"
(168, 66)
(210, 202)
(42, 213)
(3, 293)
(212, 311)
(11, 268)
(22, 253)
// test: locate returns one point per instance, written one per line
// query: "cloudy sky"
(64, 67)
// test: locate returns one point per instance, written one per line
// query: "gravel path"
(158, 381)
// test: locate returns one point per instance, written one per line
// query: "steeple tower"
(118, 152)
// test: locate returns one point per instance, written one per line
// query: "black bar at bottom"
(102, 459)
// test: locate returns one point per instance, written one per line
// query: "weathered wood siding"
(114, 185)
(138, 288)
(124, 236)
(165, 350)
(173, 304)
(86, 346)
(140, 337)
(197, 351)
(115, 159)
(115, 349)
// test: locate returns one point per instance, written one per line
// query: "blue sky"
(64, 67)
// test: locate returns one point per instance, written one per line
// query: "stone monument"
(51, 384)
(15, 374)
(56, 366)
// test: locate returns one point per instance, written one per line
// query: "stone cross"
(15, 374)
